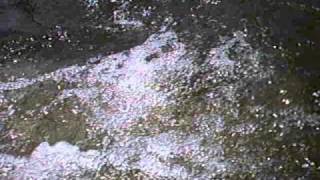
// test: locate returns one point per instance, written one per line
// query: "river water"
(159, 90)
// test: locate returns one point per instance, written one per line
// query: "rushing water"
(157, 90)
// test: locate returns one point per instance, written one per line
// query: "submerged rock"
(156, 111)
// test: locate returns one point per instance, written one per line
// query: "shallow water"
(207, 101)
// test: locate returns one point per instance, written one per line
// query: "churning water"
(160, 109)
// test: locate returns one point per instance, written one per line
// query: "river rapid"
(145, 92)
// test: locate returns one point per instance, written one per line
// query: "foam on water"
(122, 92)
(52, 162)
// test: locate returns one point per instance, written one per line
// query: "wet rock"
(44, 40)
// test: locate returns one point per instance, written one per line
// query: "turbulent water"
(159, 109)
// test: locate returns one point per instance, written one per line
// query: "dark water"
(208, 89)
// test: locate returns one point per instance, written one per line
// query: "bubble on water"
(53, 162)
(163, 113)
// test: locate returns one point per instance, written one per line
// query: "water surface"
(159, 90)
